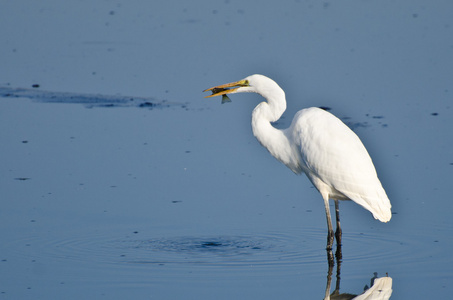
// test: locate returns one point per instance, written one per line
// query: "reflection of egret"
(381, 288)
(318, 144)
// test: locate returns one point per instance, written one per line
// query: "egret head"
(252, 84)
(229, 88)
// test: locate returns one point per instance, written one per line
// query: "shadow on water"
(88, 100)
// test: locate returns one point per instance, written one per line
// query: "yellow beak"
(226, 88)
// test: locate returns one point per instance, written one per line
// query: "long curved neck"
(274, 140)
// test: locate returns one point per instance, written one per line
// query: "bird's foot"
(330, 237)
(330, 258)
(338, 234)
(339, 253)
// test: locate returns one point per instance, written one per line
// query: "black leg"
(338, 231)
(330, 234)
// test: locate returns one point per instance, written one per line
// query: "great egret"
(318, 144)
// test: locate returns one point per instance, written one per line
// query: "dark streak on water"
(109, 101)
(89, 100)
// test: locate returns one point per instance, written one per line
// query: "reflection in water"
(381, 288)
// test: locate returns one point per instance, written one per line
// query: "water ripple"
(298, 247)
(267, 249)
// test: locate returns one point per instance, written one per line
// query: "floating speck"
(434, 114)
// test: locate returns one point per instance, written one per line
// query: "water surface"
(118, 179)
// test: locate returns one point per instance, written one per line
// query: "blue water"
(118, 179)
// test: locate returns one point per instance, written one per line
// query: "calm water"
(119, 180)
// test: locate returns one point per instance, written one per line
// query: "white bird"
(318, 144)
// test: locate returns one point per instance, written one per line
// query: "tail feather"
(378, 204)
(383, 214)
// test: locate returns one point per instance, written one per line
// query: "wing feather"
(333, 153)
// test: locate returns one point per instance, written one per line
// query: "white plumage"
(318, 144)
